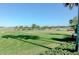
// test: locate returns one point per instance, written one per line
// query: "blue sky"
(30, 13)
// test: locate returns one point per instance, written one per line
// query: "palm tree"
(71, 5)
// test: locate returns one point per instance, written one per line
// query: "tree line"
(38, 27)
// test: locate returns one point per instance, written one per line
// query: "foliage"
(70, 5)
(73, 23)
(62, 50)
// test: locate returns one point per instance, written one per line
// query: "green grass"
(30, 42)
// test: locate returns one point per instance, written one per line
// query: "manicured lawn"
(30, 41)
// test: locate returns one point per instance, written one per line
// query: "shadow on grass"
(21, 37)
(24, 38)
(60, 51)
(37, 44)
(58, 34)
(68, 49)
(66, 39)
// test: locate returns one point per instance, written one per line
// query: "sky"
(43, 14)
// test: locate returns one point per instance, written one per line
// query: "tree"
(20, 27)
(44, 27)
(25, 27)
(38, 27)
(71, 5)
(34, 26)
(73, 23)
(16, 27)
